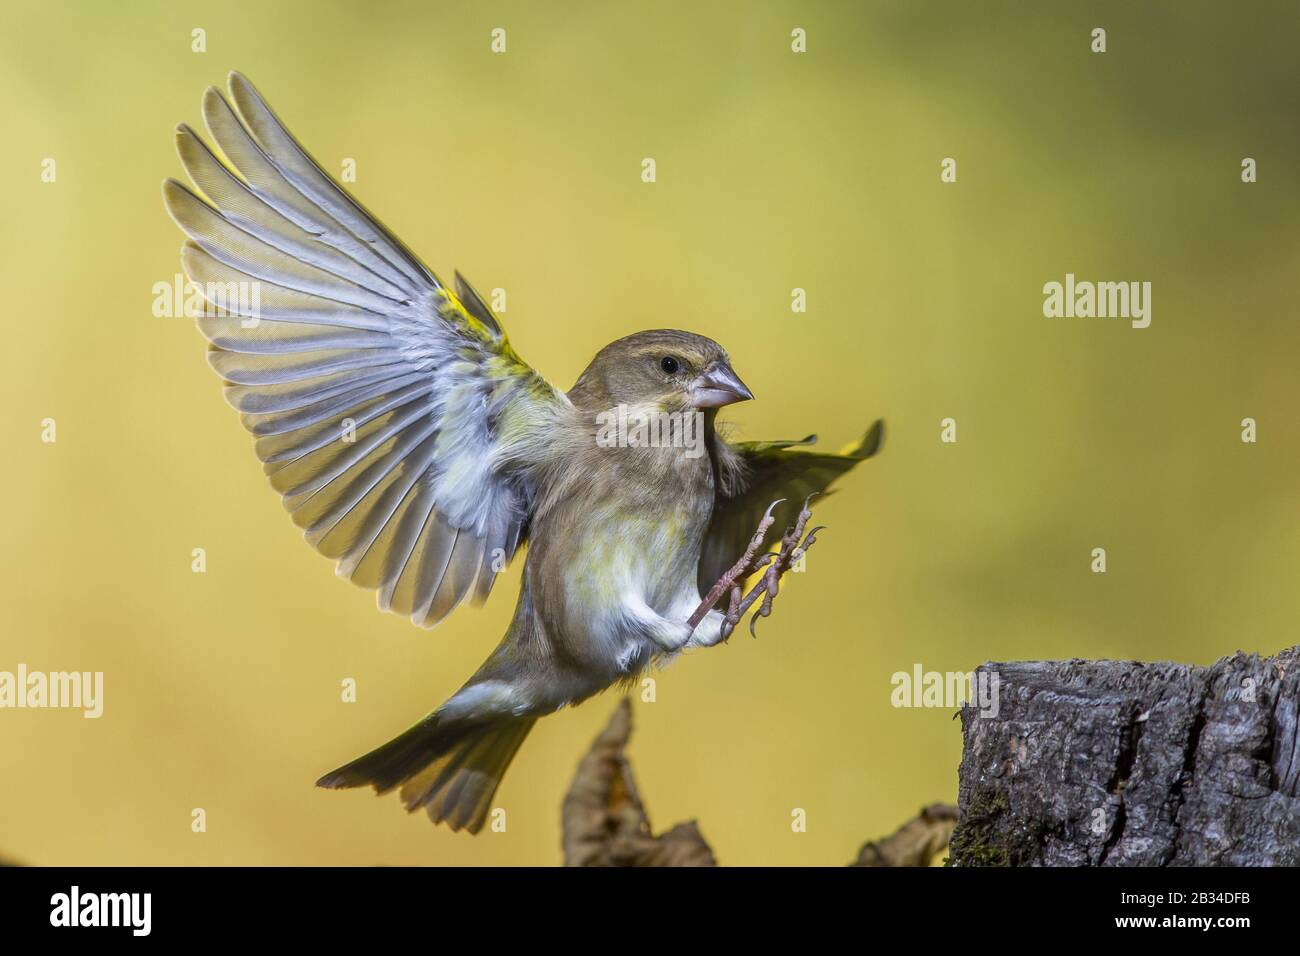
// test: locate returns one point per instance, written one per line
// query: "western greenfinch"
(417, 449)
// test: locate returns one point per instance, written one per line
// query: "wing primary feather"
(432, 479)
(363, 484)
(382, 511)
(305, 174)
(268, 182)
(245, 253)
(407, 534)
(335, 409)
(245, 209)
(276, 449)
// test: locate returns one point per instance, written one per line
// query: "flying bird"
(414, 446)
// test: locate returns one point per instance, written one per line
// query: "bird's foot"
(794, 545)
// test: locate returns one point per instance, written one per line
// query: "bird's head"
(671, 369)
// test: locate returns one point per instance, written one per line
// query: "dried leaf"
(605, 823)
(916, 842)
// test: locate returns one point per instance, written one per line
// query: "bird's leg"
(734, 576)
(794, 544)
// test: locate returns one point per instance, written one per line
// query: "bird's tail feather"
(451, 768)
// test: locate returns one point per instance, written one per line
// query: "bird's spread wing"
(751, 475)
(389, 411)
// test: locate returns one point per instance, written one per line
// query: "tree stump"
(1119, 763)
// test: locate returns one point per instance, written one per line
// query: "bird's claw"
(774, 564)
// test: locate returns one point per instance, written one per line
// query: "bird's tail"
(450, 767)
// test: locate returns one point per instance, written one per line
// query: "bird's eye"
(669, 364)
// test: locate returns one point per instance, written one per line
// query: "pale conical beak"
(718, 386)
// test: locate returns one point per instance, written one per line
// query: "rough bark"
(1119, 763)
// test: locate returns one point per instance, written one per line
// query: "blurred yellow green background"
(775, 170)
